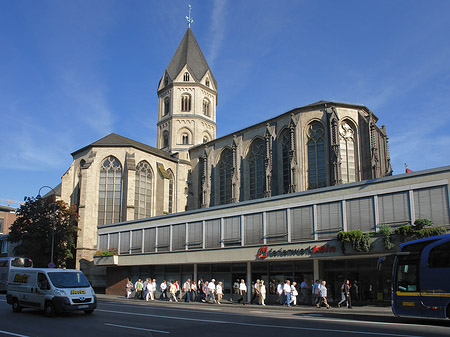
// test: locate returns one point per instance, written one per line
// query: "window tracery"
(143, 191)
(316, 155)
(110, 191)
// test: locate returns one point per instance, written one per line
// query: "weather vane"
(188, 18)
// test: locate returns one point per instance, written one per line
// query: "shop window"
(163, 239)
(136, 241)
(432, 203)
(179, 237)
(276, 226)
(113, 241)
(232, 231)
(212, 228)
(302, 223)
(394, 209)
(124, 242)
(149, 240)
(195, 235)
(253, 229)
(360, 214)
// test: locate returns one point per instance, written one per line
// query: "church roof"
(189, 52)
(115, 140)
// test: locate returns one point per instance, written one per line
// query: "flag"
(407, 170)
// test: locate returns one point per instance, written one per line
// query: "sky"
(71, 72)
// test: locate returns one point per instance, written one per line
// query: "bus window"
(407, 277)
(439, 256)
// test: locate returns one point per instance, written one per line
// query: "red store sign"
(264, 252)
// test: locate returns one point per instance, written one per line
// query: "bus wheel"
(16, 306)
(49, 309)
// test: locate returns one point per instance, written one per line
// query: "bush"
(358, 239)
(386, 232)
(110, 252)
(418, 230)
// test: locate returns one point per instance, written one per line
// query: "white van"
(51, 290)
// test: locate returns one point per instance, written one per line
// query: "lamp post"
(54, 215)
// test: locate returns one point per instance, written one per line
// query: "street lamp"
(54, 215)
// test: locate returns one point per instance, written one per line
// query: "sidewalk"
(369, 309)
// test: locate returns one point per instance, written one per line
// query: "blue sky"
(72, 72)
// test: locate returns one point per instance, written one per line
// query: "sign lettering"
(264, 252)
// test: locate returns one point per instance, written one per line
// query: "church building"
(119, 180)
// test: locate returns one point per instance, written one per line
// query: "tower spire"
(188, 18)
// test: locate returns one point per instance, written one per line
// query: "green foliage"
(110, 252)
(32, 231)
(386, 232)
(418, 230)
(358, 239)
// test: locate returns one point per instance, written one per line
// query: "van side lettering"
(77, 292)
(21, 278)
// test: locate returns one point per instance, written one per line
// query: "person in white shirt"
(262, 291)
(219, 291)
(152, 294)
(280, 292)
(323, 295)
(163, 287)
(148, 290)
(187, 290)
(211, 291)
(287, 292)
(242, 292)
(294, 293)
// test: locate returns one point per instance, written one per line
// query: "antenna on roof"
(188, 18)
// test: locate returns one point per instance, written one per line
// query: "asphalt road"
(121, 317)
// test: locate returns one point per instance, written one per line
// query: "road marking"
(259, 325)
(258, 312)
(135, 328)
(12, 334)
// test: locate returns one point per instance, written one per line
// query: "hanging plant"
(358, 239)
(386, 232)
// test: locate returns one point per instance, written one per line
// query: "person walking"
(304, 291)
(263, 292)
(280, 292)
(294, 294)
(242, 292)
(163, 288)
(139, 290)
(323, 295)
(315, 292)
(148, 290)
(187, 290)
(173, 292)
(219, 292)
(211, 291)
(256, 294)
(287, 292)
(152, 293)
(129, 288)
(193, 291)
(345, 294)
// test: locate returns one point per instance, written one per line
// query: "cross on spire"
(188, 18)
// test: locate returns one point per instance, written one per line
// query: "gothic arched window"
(186, 77)
(185, 102)
(285, 148)
(207, 82)
(143, 191)
(170, 195)
(225, 167)
(110, 191)
(316, 155)
(206, 104)
(166, 106)
(348, 152)
(256, 168)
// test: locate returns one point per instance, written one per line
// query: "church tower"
(187, 100)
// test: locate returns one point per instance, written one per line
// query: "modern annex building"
(119, 183)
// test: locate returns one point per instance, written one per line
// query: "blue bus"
(421, 278)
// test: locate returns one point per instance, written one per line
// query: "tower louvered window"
(206, 105)
(166, 106)
(110, 191)
(186, 77)
(185, 102)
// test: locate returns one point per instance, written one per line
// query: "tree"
(32, 231)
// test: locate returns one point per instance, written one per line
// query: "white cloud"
(217, 35)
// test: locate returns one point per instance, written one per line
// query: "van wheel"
(88, 312)
(16, 306)
(49, 309)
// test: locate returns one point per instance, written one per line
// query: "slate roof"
(189, 52)
(115, 140)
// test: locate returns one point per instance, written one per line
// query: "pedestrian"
(205, 291)
(193, 291)
(152, 294)
(173, 292)
(355, 290)
(287, 292)
(187, 290)
(263, 292)
(242, 292)
(315, 292)
(236, 287)
(139, 290)
(256, 293)
(294, 293)
(219, 291)
(200, 292)
(304, 291)
(211, 291)
(280, 292)
(178, 290)
(345, 294)
(129, 288)
(323, 295)
(163, 288)
(148, 290)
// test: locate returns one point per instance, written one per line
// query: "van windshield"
(69, 280)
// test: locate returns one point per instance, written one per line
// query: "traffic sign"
(51, 265)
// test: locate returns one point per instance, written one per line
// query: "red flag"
(407, 170)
